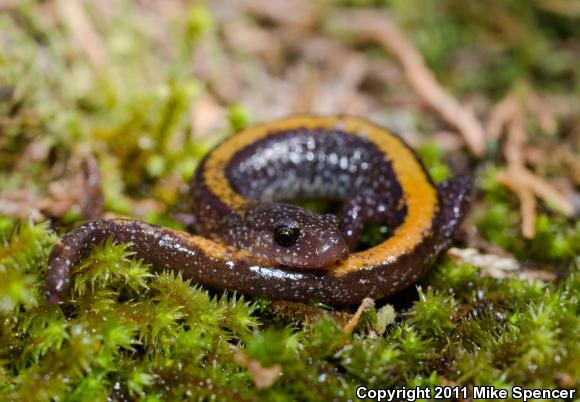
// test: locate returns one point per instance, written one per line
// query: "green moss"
(199, 21)
(431, 155)
(433, 314)
(21, 256)
(131, 332)
(556, 239)
(238, 117)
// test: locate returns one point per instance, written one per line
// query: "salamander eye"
(286, 234)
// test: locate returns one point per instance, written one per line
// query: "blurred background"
(107, 106)
(148, 86)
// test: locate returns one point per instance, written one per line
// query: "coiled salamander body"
(250, 240)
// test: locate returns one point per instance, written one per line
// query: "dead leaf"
(263, 377)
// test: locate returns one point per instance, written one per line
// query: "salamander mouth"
(320, 260)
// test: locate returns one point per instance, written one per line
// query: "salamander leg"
(361, 209)
(187, 220)
(455, 197)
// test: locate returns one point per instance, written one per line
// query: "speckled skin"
(315, 164)
(238, 202)
(321, 164)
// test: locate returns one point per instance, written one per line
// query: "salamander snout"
(295, 237)
(330, 245)
(330, 250)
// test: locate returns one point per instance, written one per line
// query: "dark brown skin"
(257, 244)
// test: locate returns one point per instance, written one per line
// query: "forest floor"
(140, 90)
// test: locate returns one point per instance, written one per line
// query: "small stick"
(527, 202)
(82, 31)
(263, 377)
(546, 119)
(353, 322)
(500, 116)
(545, 191)
(378, 27)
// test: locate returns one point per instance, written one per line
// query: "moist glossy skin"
(239, 193)
(318, 241)
(318, 163)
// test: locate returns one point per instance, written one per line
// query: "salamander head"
(294, 237)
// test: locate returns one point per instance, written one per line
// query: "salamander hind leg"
(188, 220)
(455, 197)
(363, 208)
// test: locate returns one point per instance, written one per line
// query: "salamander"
(252, 239)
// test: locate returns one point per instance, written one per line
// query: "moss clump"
(556, 240)
(431, 155)
(130, 332)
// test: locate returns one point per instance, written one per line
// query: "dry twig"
(378, 27)
(527, 201)
(82, 31)
(263, 377)
(500, 116)
(353, 322)
(545, 191)
(509, 114)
